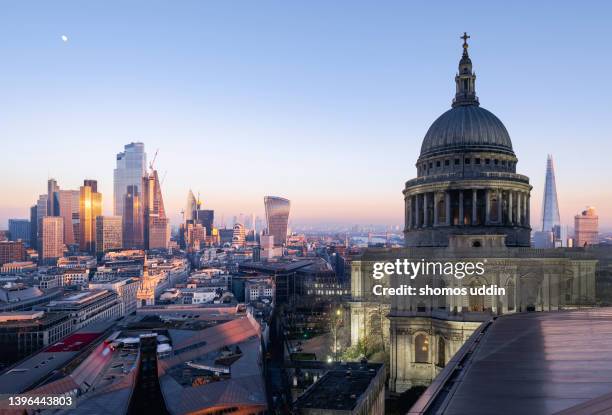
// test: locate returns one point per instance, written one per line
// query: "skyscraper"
(191, 206)
(52, 202)
(37, 212)
(550, 205)
(586, 227)
(132, 218)
(68, 203)
(51, 238)
(109, 233)
(277, 216)
(155, 224)
(550, 235)
(90, 206)
(206, 218)
(33, 227)
(41, 206)
(131, 167)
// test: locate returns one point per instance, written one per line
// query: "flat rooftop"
(339, 389)
(528, 363)
(36, 368)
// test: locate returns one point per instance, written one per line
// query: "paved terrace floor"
(530, 363)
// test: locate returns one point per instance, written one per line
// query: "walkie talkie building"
(277, 217)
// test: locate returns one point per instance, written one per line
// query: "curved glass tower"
(277, 217)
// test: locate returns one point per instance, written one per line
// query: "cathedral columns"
(519, 216)
(447, 205)
(528, 215)
(499, 206)
(418, 211)
(510, 215)
(487, 206)
(524, 212)
(436, 198)
(425, 210)
(407, 212)
(474, 206)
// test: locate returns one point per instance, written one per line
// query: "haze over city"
(323, 104)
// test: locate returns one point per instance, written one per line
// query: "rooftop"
(340, 389)
(536, 363)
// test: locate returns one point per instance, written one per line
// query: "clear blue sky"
(325, 103)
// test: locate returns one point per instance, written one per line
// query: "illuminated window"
(421, 348)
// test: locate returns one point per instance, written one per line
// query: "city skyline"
(226, 121)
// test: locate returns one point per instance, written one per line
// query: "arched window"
(421, 348)
(441, 360)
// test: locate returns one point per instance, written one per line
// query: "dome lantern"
(465, 79)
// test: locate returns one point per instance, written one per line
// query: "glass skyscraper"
(132, 219)
(90, 207)
(131, 168)
(550, 206)
(156, 230)
(277, 216)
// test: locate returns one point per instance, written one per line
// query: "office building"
(586, 227)
(52, 201)
(191, 206)
(126, 289)
(206, 218)
(87, 306)
(37, 212)
(51, 239)
(277, 216)
(155, 224)
(131, 167)
(238, 236)
(132, 219)
(33, 227)
(68, 203)
(109, 233)
(19, 230)
(23, 333)
(90, 207)
(11, 251)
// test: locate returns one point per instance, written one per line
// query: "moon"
(64, 38)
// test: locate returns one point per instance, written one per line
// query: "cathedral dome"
(466, 127)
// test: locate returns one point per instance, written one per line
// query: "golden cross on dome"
(465, 37)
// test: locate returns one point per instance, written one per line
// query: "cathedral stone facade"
(467, 204)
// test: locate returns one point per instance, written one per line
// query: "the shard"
(550, 206)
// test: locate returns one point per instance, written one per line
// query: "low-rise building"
(259, 289)
(77, 261)
(126, 289)
(88, 306)
(18, 267)
(350, 389)
(25, 332)
(11, 251)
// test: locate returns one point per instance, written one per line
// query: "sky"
(325, 103)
